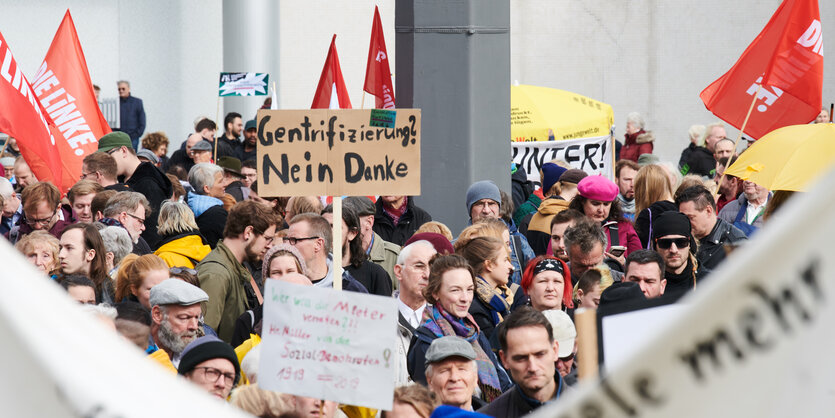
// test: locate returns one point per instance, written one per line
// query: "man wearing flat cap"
(175, 315)
(211, 364)
(452, 373)
(671, 238)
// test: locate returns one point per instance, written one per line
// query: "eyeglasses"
(666, 243)
(294, 241)
(84, 175)
(213, 375)
(178, 270)
(113, 150)
(568, 358)
(141, 220)
(44, 221)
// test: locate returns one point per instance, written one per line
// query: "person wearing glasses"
(646, 267)
(129, 210)
(211, 364)
(131, 114)
(249, 233)
(671, 238)
(41, 212)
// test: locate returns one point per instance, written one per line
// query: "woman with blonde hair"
(260, 402)
(653, 196)
(137, 275)
(182, 245)
(437, 228)
(41, 249)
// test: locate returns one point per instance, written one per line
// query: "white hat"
(564, 331)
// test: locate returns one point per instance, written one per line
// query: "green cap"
(114, 140)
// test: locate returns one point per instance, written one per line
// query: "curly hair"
(154, 140)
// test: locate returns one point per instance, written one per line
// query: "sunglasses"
(666, 243)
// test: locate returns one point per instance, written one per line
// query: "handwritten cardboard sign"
(334, 152)
(326, 344)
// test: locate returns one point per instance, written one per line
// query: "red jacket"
(636, 144)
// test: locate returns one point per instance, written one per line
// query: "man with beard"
(671, 238)
(249, 233)
(175, 316)
(249, 150)
(412, 272)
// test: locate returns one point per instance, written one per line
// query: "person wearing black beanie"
(672, 239)
(211, 364)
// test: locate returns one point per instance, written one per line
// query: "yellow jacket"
(184, 250)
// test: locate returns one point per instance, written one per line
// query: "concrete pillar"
(250, 44)
(453, 62)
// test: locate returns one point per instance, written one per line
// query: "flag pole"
(736, 143)
(362, 103)
(337, 243)
(217, 122)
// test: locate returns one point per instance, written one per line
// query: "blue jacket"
(131, 117)
(519, 261)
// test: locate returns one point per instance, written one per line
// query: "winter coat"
(156, 187)
(520, 186)
(183, 250)
(520, 252)
(224, 279)
(514, 403)
(636, 144)
(409, 222)
(384, 254)
(711, 248)
(643, 223)
(698, 161)
(731, 210)
(210, 216)
(229, 147)
(539, 228)
(373, 277)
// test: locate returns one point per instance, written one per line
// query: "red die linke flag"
(331, 92)
(22, 117)
(786, 59)
(377, 71)
(64, 89)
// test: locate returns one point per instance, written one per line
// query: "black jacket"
(643, 222)
(151, 182)
(228, 148)
(513, 404)
(697, 160)
(711, 248)
(211, 224)
(181, 159)
(406, 227)
(373, 277)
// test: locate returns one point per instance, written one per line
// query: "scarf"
(441, 323)
(495, 298)
(396, 213)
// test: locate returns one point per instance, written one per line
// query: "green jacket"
(384, 254)
(222, 277)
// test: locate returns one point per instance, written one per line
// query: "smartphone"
(617, 250)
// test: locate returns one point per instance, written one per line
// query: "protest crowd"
(174, 250)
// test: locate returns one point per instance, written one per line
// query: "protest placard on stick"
(337, 152)
(326, 344)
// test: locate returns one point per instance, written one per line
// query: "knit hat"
(573, 175)
(205, 348)
(148, 155)
(551, 174)
(484, 189)
(598, 188)
(441, 244)
(670, 223)
(114, 140)
(265, 268)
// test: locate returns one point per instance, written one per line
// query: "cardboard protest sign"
(592, 155)
(326, 344)
(333, 152)
(243, 84)
(754, 339)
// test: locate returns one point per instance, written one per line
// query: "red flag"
(377, 71)
(64, 88)
(331, 92)
(786, 59)
(23, 118)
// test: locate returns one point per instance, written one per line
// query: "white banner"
(592, 155)
(328, 344)
(755, 340)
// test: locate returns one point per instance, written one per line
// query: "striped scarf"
(441, 323)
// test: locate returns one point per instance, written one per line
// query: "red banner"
(64, 88)
(377, 71)
(22, 117)
(331, 92)
(783, 67)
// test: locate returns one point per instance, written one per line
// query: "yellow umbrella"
(789, 158)
(538, 112)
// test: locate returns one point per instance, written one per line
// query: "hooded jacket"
(697, 161)
(539, 229)
(636, 144)
(156, 187)
(209, 215)
(183, 250)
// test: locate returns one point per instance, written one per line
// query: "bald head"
(192, 140)
(296, 278)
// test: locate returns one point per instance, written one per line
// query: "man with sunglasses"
(131, 114)
(671, 238)
(211, 364)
